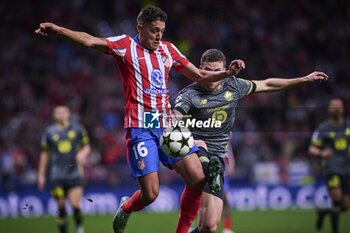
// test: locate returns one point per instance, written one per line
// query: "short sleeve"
(317, 138)
(84, 139)
(117, 45)
(183, 103)
(245, 87)
(241, 86)
(179, 60)
(45, 141)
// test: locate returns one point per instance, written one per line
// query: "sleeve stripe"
(116, 38)
(181, 110)
(316, 143)
(252, 88)
(177, 51)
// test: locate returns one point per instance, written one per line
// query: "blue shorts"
(143, 151)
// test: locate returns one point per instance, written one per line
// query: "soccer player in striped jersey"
(144, 62)
(331, 143)
(218, 100)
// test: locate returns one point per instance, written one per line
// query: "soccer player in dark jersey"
(65, 147)
(144, 62)
(331, 143)
(218, 101)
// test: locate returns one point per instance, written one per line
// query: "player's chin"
(155, 45)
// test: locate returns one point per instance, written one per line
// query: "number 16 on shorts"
(143, 158)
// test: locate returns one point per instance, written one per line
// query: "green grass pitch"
(286, 221)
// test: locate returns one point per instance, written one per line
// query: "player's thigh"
(74, 195)
(210, 211)
(59, 193)
(334, 183)
(190, 170)
(142, 152)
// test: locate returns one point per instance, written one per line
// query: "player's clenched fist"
(47, 28)
(236, 66)
(317, 75)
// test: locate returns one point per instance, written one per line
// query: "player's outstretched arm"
(82, 38)
(204, 76)
(278, 84)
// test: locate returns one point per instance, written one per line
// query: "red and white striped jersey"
(145, 76)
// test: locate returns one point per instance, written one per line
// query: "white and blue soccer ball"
(176, 142)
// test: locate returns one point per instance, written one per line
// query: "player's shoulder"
(166, 43)
(191, 89)
(123, 39)
(169, 45)
(118, 37)
(232, 82)
(50, 129)
(324, 126)
(76, 126)
(347, 120)
(188, 93)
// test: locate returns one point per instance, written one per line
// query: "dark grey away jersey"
(62, 146)
(202, 105)
(336, 138)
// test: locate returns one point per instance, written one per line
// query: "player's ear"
(138, 27)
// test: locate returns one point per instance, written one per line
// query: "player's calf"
(62, 220)
(78, 218)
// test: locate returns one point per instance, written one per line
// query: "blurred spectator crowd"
(274, 38)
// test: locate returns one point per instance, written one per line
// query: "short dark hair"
(213, 55)
(150, 14)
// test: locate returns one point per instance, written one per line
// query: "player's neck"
(337, 120)
(211, 89)
(62, 125)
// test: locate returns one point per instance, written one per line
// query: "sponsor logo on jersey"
(228, 95)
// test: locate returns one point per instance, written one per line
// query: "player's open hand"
(235, 67)
(317, 76)
(46, 29)
(326, 153)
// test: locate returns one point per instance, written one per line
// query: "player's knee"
(208, 227)
(197, 182)
(201, 143)
(150, 196)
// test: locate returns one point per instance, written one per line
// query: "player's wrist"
(322, 154)
(228, 73)
(306, 79)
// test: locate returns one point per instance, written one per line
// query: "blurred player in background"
(331, 143)
(218, 100)
(65, 147)
(144, 62)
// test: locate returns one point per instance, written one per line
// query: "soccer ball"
(176, 142)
